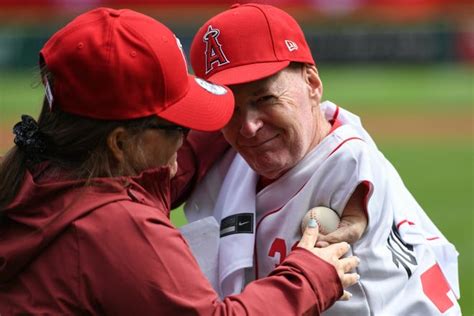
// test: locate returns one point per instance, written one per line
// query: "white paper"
(203, 239)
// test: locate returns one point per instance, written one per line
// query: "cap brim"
(248, 73)
(201, 109)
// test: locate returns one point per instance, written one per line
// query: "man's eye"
(265, 98)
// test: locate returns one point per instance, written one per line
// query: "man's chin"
(268, 170)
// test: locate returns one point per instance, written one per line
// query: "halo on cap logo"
(213, 53)
(210, 87)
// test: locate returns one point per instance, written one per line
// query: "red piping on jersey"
(258, 225)
(336, 114)
(403, 222)
(345, 141)
(335, 123)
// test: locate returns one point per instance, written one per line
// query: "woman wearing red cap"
(85, 193)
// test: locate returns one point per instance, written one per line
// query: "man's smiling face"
(273, 126)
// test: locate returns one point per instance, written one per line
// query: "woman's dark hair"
(72, 143)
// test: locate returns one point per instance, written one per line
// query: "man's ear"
(314, 82)
(116, 142)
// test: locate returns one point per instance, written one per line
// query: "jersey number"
(279, 247)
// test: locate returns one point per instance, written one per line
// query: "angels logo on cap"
(213, 53)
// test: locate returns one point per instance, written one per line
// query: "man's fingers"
(310, 235)
(339, 249)
(349, 234)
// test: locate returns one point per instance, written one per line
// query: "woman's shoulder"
(120, 214)
(123, 227)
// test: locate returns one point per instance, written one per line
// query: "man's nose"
(250, 122)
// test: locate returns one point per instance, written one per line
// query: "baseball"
(327, 219)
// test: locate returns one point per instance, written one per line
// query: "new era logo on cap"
(291, 45)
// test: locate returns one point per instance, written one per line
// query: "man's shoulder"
(349, 141)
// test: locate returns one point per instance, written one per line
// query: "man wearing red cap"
(290, 153)
(85, 191)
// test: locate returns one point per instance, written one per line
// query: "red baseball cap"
(246, 43)
(120, 64)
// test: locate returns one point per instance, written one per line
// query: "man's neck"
(322, 129)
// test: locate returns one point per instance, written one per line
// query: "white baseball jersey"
(407, 266)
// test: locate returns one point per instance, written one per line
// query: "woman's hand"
(332, 254)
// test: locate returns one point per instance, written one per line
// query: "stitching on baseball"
(320, 227)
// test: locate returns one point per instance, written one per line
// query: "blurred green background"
(418, 108)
